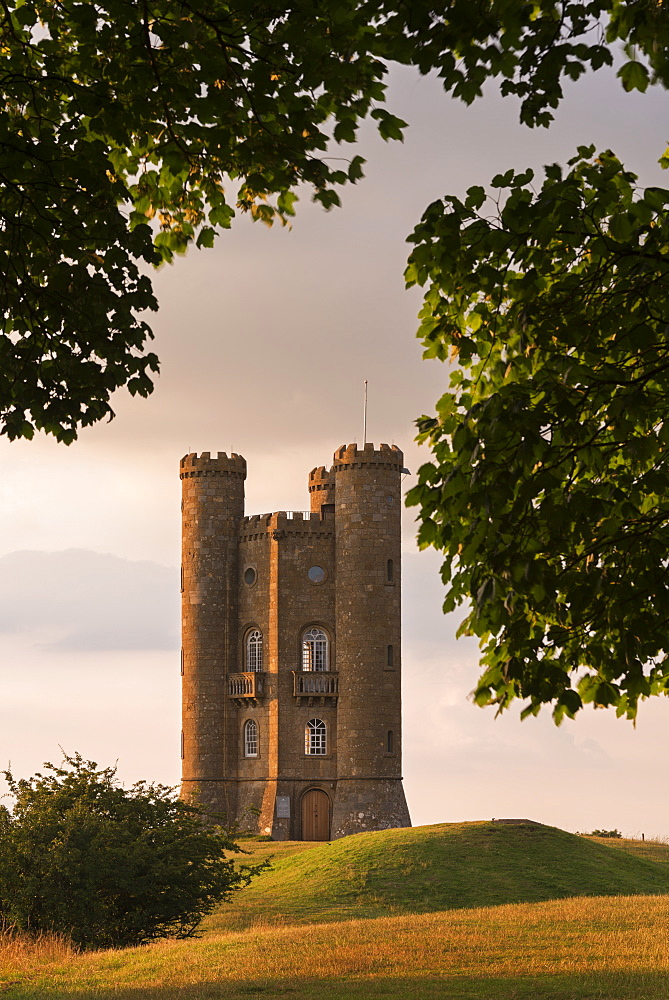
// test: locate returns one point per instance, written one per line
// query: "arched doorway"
(315, 815)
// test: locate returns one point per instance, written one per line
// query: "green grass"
(433, 868)
(650, 850)
(472, 911)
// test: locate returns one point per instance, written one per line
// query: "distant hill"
(441, 867)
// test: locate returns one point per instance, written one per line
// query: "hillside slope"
(431, 868)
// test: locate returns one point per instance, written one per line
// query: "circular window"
(389, 499)
(316, 574)
(250, 576)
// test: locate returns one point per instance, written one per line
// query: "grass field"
(441, 867)
(611, 947)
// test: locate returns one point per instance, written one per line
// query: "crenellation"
(193, 465)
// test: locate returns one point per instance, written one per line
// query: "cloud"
(83, 600)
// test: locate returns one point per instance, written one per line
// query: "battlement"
(349, 455)
(284, 521)
(205, 465)
(319, 478)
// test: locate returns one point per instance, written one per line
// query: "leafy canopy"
(121, 122)
(548, 487)
(105, 865)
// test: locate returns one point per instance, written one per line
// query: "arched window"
(251, 738)
(315, 737)
(315, 650)
(389, 571)
(390, 742)
(390, 661)
(254, 650)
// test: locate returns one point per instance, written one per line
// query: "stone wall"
(242, 573)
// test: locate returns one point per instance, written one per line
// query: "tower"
(291, 653)
(212, 507)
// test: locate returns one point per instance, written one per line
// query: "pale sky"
(265, 342)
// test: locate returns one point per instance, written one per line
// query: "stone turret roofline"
(319, 474)
(385, 454)
(218, 465)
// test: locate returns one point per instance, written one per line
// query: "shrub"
(616, 834)
(108, 866)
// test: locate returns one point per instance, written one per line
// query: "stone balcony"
(245, 688)
(315, 686)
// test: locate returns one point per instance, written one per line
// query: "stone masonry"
(255, 591)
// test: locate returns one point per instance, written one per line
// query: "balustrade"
(245, 686)
(315, 684)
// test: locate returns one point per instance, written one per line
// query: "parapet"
(319, 478)
(205, 465)
(284, 522)
(350, 455)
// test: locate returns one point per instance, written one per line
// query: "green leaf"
(205, 238)
(634, 76)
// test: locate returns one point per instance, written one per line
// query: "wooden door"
(315, 815)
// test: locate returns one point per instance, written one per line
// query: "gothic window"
(254, 650)
(315, 650)
(315, 738)
(251, 738)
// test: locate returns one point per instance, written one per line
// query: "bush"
(108, 866)
(616, 834)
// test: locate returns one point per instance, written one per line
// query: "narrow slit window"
(251, 738)
(254, 650)
(390, 658)
(390, 742)
(389, 571)
(315, 650)
(315, 738)
(182, 744)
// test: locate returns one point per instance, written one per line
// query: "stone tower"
(291, 655)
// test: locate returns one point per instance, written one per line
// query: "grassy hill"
(274, 940)
(431, 868)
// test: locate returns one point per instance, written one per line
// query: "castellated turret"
(292, 649)
(212, 509)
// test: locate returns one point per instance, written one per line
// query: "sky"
(265, 341)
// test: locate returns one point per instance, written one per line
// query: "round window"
(389, 498)
(250, 576)
(316, 574)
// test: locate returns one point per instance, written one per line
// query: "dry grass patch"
(499, 952)
(22, 956)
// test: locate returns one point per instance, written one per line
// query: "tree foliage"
(549, 484)
(109, 866)
(122, 122)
